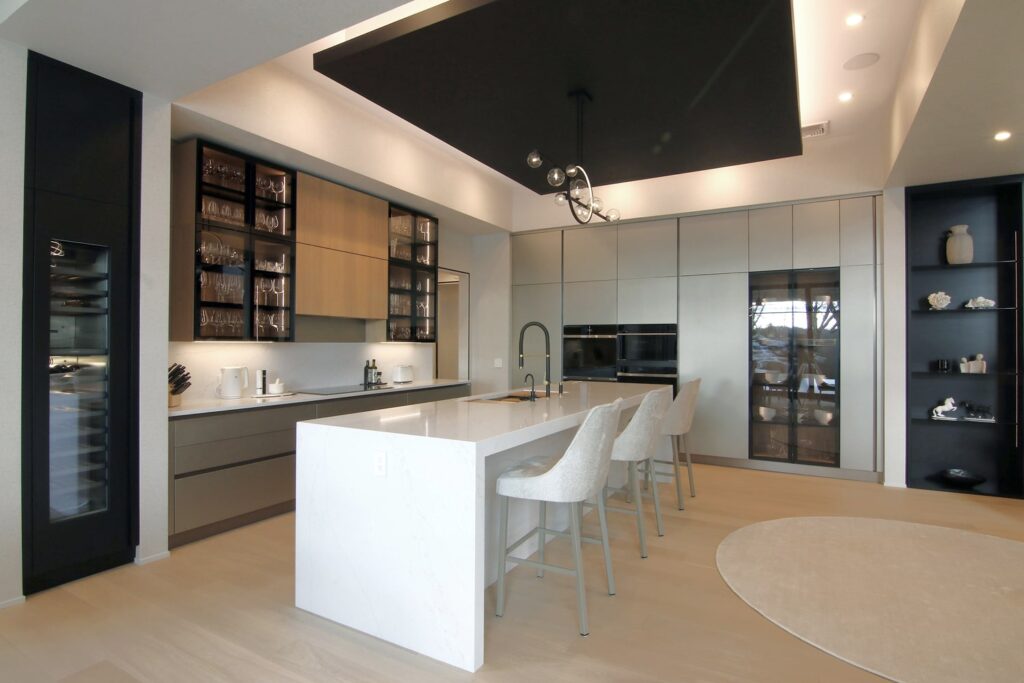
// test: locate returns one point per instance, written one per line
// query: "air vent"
(815, 130)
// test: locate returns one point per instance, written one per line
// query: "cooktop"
(326, 391)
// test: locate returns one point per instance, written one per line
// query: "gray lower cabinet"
(231, 469)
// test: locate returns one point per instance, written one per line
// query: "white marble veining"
(395, 511)
(202, 406)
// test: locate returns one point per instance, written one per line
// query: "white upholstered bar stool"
(579, 474)
(675, 425)
(635, 445)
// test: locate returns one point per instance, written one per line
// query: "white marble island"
(394, 523)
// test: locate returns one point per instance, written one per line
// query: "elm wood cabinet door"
(336, 217)
(339, 284)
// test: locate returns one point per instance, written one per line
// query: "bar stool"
(579, 474)
(635, 445)
(676, 426)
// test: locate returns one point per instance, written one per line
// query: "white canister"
(959, 246)
(233, 380)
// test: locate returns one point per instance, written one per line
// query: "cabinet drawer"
(214, 496)
(439, 394)
(347, 406)
(233, 425)
(203, 456)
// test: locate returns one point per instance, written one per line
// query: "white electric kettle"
(232, 381)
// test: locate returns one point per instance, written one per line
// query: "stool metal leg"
(502, 552)
(675, 466)
(631, 475)
(638, 502)
(603, 517)
(577, 551)
(689, 467)
(657, 501)
(541, 535)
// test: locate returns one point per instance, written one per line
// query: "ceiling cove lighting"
(845, 96)
(1002, 135)
(579, 196)
(854, 19)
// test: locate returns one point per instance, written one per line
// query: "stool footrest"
(541, 565)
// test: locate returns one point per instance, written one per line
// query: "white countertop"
(201, 406)
(492, 426)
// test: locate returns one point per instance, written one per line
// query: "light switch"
(499, 363)
(380, 464)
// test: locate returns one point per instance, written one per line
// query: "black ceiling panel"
(677, 85)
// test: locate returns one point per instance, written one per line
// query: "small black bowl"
(961, 478)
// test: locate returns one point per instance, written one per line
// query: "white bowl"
(766, 414)
(275, 388)
(823, 417)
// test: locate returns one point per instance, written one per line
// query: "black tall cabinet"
(80, 317)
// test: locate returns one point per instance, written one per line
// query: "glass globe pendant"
(556, 177)
(533, 159)
(561, 199)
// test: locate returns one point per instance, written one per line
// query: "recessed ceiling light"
(861, 61)
(1002, 135)
(854, 19)
(845, 96)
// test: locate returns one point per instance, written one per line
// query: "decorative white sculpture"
(939, 411)
(938, 300)
(959, 245)
(975, 366)
(980, 302)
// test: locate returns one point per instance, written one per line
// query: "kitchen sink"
(517, 397)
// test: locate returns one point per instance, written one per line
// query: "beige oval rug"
(910, 602)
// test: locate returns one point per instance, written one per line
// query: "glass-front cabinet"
(412, 276)
(243, 223)
(794, 361)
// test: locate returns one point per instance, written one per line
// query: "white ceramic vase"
(959, 246)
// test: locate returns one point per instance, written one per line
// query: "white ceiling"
(170, 48)
(977, 90)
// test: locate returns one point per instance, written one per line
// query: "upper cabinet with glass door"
(412, 278)
(233, 255)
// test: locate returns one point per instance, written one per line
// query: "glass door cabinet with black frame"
(412, 276)
(233, 242)
(794, 361)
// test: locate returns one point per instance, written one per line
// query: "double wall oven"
(620, 353)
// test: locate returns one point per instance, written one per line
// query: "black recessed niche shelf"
(992, 208)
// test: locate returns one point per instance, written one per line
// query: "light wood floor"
(221, 609)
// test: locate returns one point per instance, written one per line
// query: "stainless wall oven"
(646, 354)
(589, 352)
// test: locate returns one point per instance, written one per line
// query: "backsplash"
(298, 365)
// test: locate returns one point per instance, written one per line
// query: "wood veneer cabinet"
(336, 217)
(340, 284)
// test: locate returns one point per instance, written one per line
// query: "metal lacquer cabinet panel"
(648, 250)
(542, 303)
(713, 330)
(857, 231)
(647, 300)
(816, 235)
(347, 406)
(857, 367)
(591, 303)
(439, 394)
(591, 253)
(537, 258)
(771, 238)
(221, 426)
(222, 494)
(713, 243)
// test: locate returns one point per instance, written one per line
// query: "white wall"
(13, 72)
(153, 305)
(894, 342)
(297, 365)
